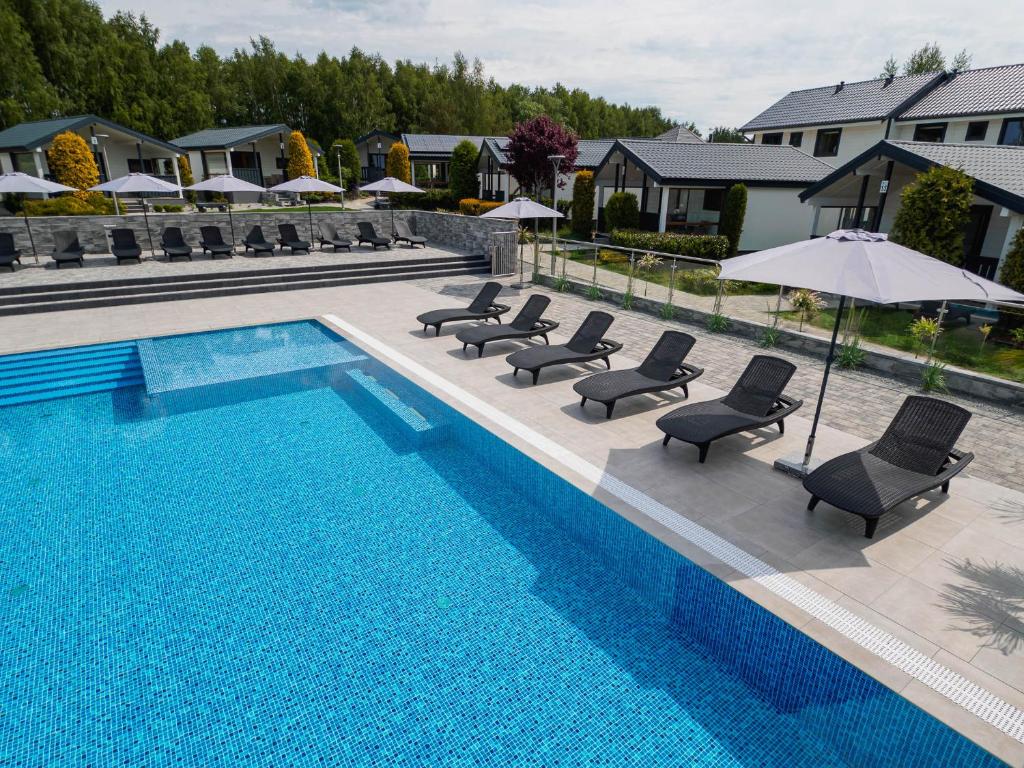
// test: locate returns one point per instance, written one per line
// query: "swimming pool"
(276, 551)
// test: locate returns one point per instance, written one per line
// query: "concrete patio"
(945, 575)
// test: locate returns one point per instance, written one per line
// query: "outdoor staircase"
(52, 297)
(50, 374)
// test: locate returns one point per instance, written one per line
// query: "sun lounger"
(526, 325)
(367, 234)
(9, 255)
(755, 401)
(916, 454)
(663, 369)
(586, 345)
(212, 242)
(256, 242)
(483, 307)
(174, 245)
(124, 246)
(403, 234)
(67, 249)
(329, 236)
(289, 239)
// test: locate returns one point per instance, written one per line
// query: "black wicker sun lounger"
(755, 401)
(212, 242)
(67, 249)
(403, 234)
(916, 454)
(9, 255)
(124, 246)
(289, 239)
(586, 345)
(526, 325)
(483, 307)
(663, 369)
(367, 234)
(256, 242)
(329, 236)
(174, 245)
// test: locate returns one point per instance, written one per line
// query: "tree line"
(62, 57)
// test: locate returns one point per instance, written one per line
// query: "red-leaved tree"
(530, 145)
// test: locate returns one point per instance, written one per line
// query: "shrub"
(187, 179)
(850, 355)
(470, 206)
(718, 323)
(72, 163)
(431, 200)
(462, 170)
(923, 331)
(583, 205)
(734, 210)
(172, 208)
(350, 165)
(934, 214)
(698, 246)
(807, 303)
(69, 205)
(933, 378)
(621, 212)
(1012, 273)
(300, 160)
(397, 164)
(769, 338)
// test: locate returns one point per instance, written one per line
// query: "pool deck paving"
(944, 574)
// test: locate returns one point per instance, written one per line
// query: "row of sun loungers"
(916, 454)
(125, 246)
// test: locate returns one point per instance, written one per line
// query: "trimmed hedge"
(621, 211)
(470, 206)
(431, 200)
(69, 205)
(583, 205)
(698, 246)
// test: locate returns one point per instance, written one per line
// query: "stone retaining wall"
(446, 230)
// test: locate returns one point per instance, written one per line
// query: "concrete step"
(49, 374)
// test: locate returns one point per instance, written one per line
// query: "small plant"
(769, 338)
(922, 331)
(647, 263)
(594, 293)
(627, 299)
(933, 378)
(718, 323)
(807, 302)
(1017, 335)
(850, 355)
(667, 311)
(562, 284)
(984, 330)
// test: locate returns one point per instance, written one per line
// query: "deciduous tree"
(530, 145)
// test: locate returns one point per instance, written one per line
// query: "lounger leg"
(464, 347)
(703, 448)
(812, 503)
(870, 524)
(610, 407)
(480, 350)
(583, 401)
(945, 487)
(545, 337)
(437, 329)
(536, 375)
(608, 363)
(667, 438)
(686, 392)
(782, 426)
(424, 328)
(515, 372)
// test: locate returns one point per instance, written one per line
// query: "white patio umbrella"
(226, 184)
(521, 208)
(138, 182)
(855, 264)
(390, 184)
(18, 183)
(307, 184)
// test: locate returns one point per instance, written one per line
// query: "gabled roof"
(997, 170)
(376, 132)
(28, 136)
(852, 103)
(710, 163)
(435, 146)
(973, 92)
(680, 134)
(223, 138)
(590, 151)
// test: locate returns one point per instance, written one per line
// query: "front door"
(974, 239)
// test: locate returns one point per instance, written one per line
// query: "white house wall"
(956, 128)
(775, 216)
(854, 139)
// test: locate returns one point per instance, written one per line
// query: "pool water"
(315, 563)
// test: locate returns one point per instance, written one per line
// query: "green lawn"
(957, 345)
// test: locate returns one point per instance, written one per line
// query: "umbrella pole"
(392, 221)
(309, 209)
(231, 224)
(824, 383)
(145, 215)
(31, 240)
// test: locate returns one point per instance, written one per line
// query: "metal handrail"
(608, 246)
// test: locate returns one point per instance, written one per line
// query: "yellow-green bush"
(72, 163)
(300, 160)
(397, 165)
(69, 205)
(470, 206)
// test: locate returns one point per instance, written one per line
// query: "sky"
(715, 63)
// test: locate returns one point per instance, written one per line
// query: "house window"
(1013, 132)
(826, 143)
(976, 130)
(796, 138)
(23, 162)
(713, 199)
(935, 132)
(771, 138)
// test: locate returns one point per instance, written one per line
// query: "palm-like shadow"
(991, 593)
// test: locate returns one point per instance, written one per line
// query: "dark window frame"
(974, 124)
(776, 138)
(796, 138)
(717, 200)
(827, 132)
(1006, 124)
(941, 127)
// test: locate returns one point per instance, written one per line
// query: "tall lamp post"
(556, 162)
(341, 175)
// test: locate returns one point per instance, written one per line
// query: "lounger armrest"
(544, 325)
(607, 345)
(960, 460)
(495, 307)
(785, 405)
(687, 371)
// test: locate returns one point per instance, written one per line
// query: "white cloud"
(713, 63)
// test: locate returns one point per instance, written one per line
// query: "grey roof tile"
(866, 100)
(973, 92)
(669, 162)
(39, 132)
(221, 138)
(591, 151)
(681, 135)
(997, 165)
(436, 144)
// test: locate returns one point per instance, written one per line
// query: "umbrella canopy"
(137, 183)
(21, 183)
(864, 265)
(522, 208)
(307, 184)
(225, 183)
(389, 184)
(856, 264)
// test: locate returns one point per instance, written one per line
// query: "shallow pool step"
(411, 421)
(49, 374)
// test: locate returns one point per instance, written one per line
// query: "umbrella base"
(793, 465)
(522, 285)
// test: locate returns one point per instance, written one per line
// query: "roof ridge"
(54, 119)
(862, 82)
(969, 144)
(987, 69)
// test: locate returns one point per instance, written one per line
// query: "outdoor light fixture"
(556, 162)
